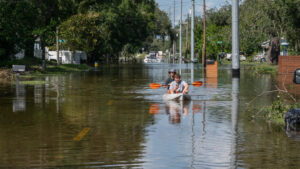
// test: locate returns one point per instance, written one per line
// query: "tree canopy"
(260, 20)
(103, 29)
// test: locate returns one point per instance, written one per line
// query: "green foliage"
(81, 32)
(24, 21)
(275, 112)
(260, 20)
(101, 32)
(18, 18)
(100, 28)
(162, 29)
(27, 61)
(213, 36)
(217, 29)
(162, 24)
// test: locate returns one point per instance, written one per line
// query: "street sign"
(220, 42)
(61, 40)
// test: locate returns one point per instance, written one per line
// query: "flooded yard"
(111, 118)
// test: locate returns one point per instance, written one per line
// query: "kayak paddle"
(158, 85)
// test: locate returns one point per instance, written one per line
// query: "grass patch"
(142, 56)
(257, 67)
(247, 62)
(55, 70)
(225, 62)
(67, 68)
(32, 75)
(264, 68)
(33, 66)
(33, 82)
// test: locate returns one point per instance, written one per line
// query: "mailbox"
(297, 76)
(18, 68)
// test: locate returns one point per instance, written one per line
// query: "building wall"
(288, 64)
(286, 68)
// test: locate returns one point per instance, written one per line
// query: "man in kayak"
(172, 73)
(178, 86)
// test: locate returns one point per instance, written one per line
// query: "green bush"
(276, 111)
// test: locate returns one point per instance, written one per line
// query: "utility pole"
(204, 37)
(187, 33)
(57, 46)
(235, 39)
(170, 17)
(192, 31)
(180, 36)
(170, 11)
(174, 52)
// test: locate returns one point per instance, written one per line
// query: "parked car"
(228, 56)
(259, 58)
(222, 55)
(194, 61)
(242, 57)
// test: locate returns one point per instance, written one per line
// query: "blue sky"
(168, 5)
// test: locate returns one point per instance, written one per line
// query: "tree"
(260, 20)
(50, 14)
(269, 19)
(162, 31)
(103, 32)
(18, 19)
(24, 21)
(217, 29)
(273, 51)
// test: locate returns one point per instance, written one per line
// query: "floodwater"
(112, 119)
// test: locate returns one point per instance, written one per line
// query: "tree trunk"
(90, 59)
(107, 58)
(29, 49)
(273, 51)
(43, 55)
(269, 57)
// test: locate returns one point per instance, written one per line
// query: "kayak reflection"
(175, 109)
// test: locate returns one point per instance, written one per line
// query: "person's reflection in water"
(175, 110)
(174, 115)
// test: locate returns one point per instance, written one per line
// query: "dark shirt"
(168, 81)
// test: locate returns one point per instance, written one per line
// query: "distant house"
(37, 51)
(65, 56)
(37, 48)
(20, 55)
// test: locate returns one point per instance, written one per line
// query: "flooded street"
(112, 118)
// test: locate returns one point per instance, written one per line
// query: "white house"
(65, 56)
